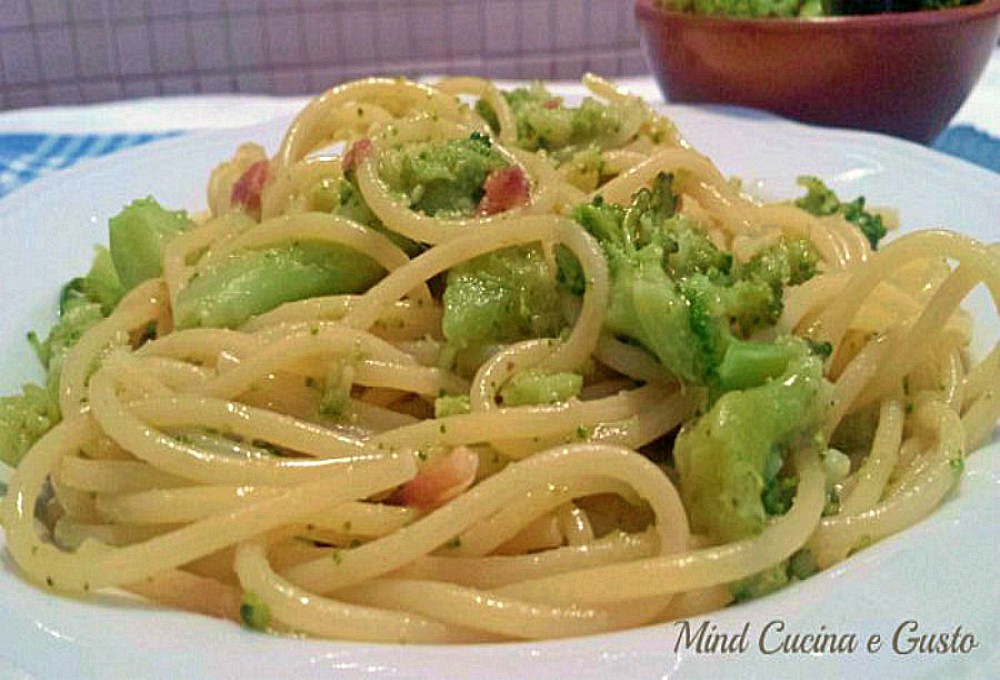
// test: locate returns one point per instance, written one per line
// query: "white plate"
(943, 573)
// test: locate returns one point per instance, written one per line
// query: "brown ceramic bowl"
(905, 74)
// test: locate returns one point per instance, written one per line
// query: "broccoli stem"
(257, 281)
(138, 235)
(748, 364)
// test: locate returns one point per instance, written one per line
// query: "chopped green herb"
(254, 613)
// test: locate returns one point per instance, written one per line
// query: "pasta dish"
(459, 364)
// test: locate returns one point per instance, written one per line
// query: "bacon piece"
(551, 104)
(504, 188)
(359, 151)
(247, 189)
(440, 481)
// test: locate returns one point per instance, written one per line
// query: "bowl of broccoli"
(901, 67)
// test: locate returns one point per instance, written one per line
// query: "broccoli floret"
(77, 314)
(778, 495)
(789, 262)
(714, 311)
(535, 387)
(754, 300)
(350, 203)
(584, 169)
(678, 295)
(870, 224)
(500, 297)
(451, 405)
(101, 284)
(647, 306)
(24, 418)
(821, 200)
(441, 178)
(728, 456)
(139, 234)
(749, 8)
(83, 302)
(544, 122)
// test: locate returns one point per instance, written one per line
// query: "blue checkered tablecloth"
(968, 143)
(25, 157)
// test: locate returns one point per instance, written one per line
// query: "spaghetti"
(196, 468)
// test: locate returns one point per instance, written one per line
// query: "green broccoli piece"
(584, 169)
(544, 122)
(24, 418)
(747, 363)
(676, 294)
(870, 224)
(500, 297)
(337, 389)
(101, 284)
(451, 405)
(647, 306)
(945, 4)
(749, 8)
(535, 387)
(727, 457)
(325, 196)
(646, 303)
(351, 204)
(254, 613)
(486, 112)
(762, 583)
(728, 362)
(778, 495)
(254, 282)
(77, 315)
(821, 200)
(789, 262)
(83, 302)
(800, 566)
(441, 178)
(138, 235)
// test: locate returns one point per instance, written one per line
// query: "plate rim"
(21, 198)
